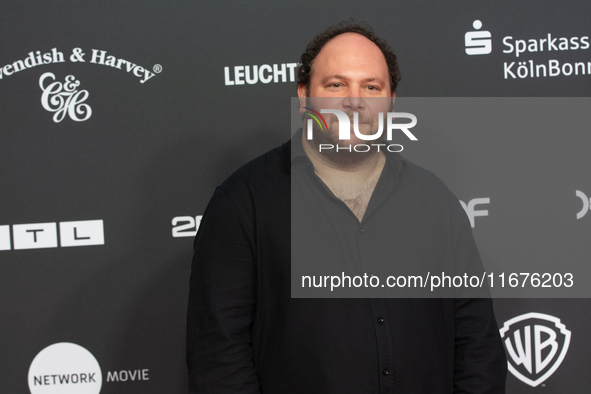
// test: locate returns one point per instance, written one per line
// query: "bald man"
(247, 335)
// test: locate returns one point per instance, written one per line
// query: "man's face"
(349, 74)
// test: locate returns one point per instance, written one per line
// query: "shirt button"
(380, 320)
(361, 230)
(385, 372)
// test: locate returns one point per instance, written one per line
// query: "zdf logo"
(536, 344)
(472, 212)
(586, 206)
(478, 42)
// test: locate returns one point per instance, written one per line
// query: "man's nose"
(353, 101)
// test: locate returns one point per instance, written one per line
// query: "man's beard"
(346, 155)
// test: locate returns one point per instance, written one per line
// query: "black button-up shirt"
(247, 335)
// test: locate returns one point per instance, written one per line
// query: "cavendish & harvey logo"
(64, 98)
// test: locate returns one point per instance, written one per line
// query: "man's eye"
(335, 85)
(371, 87)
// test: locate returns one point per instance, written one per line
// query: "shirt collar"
(297, 154)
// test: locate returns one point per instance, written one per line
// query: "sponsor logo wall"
(118, 122)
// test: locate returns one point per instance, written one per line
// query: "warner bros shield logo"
(536, 345)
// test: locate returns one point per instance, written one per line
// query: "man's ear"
(392, 102)
(302, 96)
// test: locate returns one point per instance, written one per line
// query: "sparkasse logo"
(478, 42)
(548, 45)
(536, 345)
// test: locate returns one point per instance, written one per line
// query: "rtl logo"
(45, 235)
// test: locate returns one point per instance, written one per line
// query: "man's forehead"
(349, 49)
(350, 42)
(349, 38)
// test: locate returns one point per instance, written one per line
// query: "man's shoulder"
(260, 173)
(431, 195)
(421, 176)
(426, 186)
